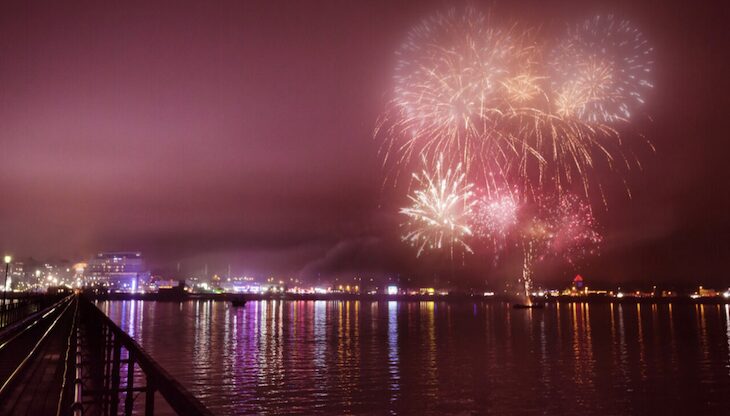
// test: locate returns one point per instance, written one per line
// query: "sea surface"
(433, 358)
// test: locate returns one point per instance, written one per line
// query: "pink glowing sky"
(241, 132)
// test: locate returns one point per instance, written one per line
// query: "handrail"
(181, 401)
(17, 308)
(70, 348)
(9, 381)
(18, 328)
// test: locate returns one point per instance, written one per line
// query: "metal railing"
(47, 318)
(110, 365)
(14, 309)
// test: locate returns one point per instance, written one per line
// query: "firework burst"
(596, 78)
(490, 98)
(600, 71)
(557, 152)
(440, 209)
(560, 226)
(495, 217)
(563, 227)
(455, 76)
(492, 102)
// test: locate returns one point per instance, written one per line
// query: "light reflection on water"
(348, 357)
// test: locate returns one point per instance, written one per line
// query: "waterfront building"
(707, 293)
(122, 271)
(427, 291)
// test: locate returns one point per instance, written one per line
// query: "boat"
(238, 301)
(175, 294)
(530, 306)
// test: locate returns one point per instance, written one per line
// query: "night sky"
(242, 133)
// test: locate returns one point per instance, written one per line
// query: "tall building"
(16, 276)
(120, 271)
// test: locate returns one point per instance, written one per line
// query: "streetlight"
(7, 259)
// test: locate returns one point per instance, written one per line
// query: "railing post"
(115, 377)
(108, 347)
(77, 408)
(129, 399)
(149, 398)
(156, 379)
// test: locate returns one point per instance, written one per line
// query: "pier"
(60, 355)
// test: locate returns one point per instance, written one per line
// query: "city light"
(116, 273)
(8, 259)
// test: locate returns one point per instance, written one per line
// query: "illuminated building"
(578, 282)
(243, 284)
(166, 283)
(119, 271)
(427, 291)
(707, 293)
(17, 276)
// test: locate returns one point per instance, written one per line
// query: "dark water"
(330, 357)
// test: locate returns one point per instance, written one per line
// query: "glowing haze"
(241, 133)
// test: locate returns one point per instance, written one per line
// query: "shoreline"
(451, 298)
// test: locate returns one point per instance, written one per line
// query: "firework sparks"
(440, 211)
(597, 77)
(565, 227)
(562, 227)
(600, 71)
(523, 88)
(495, 217)
(491, 102)
(491, 99)
(557, 152)
(454, 78)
